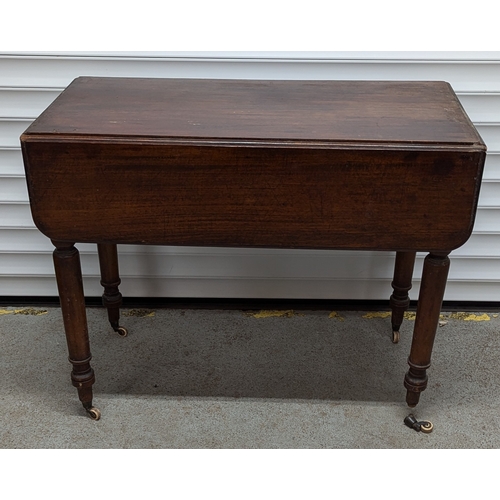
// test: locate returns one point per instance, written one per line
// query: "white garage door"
(30, 81)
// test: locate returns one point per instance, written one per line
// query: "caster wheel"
(122, 331)
(423, 426)
(395, 337)
(426, 427)
(94, 413)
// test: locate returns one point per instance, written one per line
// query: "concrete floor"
(234, 379)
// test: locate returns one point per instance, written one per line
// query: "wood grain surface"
(330, 111)
(296, 164)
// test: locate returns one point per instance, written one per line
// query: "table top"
(290, 164)
(335, 113)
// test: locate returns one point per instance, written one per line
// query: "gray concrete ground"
(234, 379)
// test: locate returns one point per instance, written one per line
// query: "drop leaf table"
(361, 165)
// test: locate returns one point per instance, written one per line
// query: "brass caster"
(395, 337)
(122, 331)
(426, 427)
(420, 426)
(94, 413)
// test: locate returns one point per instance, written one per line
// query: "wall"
(30, 81)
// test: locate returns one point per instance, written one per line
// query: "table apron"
(253, 196)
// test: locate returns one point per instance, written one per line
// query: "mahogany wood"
(400, 300)
(288, 164)
(70, 287)
(431, 295)
(110, 280)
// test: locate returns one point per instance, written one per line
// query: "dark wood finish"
(401, 284)
(70, 287)
(431, 295)
(341, 112)
(110, 280)
(290, 164)
(253, 196)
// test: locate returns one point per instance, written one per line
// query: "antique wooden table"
(287, 164)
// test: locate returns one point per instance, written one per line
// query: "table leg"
(401, 284)
(430, 299)
(110, 280)
(70, 286)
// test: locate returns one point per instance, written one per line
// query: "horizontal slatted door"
(29, 82)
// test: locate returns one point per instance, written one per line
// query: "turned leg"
(400, 301)
(110, 280)
(70, 286)
(430, 299)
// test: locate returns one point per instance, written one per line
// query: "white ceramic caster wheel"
(94, 413)
(395, 337)
(122, 331)
(426, 427)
